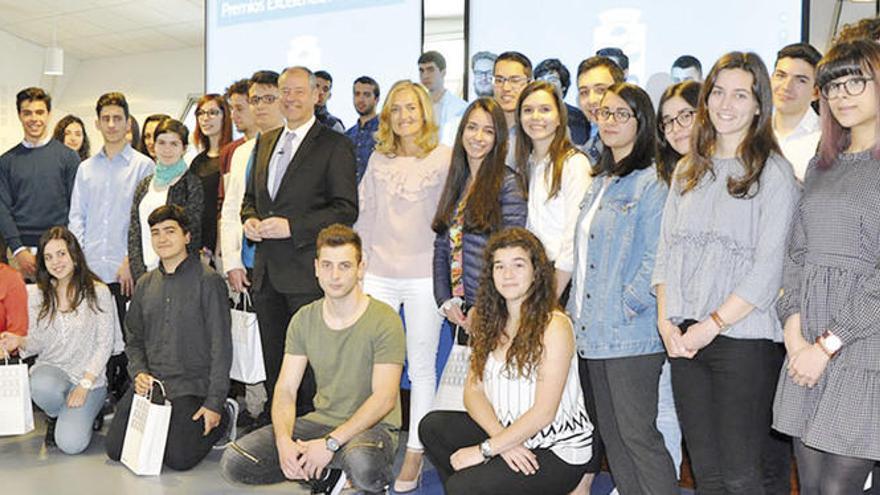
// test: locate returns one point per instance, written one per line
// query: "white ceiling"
(102, 28)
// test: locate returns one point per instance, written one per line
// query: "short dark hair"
(169, 212)
(33, 94)
(518, 57)
(336, 235)
(484, 55)
(239, 87)
(323, 74)
(616, 55)
(555, 65)
(433, 56)
(600, 61)
(267, 77)
(686, 61)
(802, 51)
(173, 126)
(114, 98)
(368, 80)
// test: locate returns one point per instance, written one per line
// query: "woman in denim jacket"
(611, 302)
(481, 196)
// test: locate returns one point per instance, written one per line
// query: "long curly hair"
(62, 125)
(387, 142)
(483, 211)
(82, 285)
(487, 332)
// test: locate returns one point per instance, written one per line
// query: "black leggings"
(444, 432)
(822, 473)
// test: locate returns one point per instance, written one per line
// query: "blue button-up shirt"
(100, 207)
(364, 142)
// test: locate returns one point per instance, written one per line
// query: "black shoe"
(50, 432)
(332, 482)
(98, 423)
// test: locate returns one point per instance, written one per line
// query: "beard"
(366, 111)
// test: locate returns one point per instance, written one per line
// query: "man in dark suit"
(303, 180)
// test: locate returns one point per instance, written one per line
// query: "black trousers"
(595, 464)
(777, 455)
(724, 397)
(186, 445)
(118, 380)
(444, 432)
(274, 311)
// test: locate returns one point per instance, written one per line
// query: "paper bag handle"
(150, 391)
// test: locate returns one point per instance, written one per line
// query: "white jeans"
(422, 323)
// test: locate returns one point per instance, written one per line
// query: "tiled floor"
(26, 467)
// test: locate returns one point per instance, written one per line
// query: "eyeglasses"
(513, 80)
(853, 86)
(214, 112)
(267, 99)
(684, 119)
(620, 115)
(483, 74)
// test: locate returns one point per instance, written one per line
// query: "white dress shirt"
(800, 145)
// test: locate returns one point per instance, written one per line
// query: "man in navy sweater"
(36, 180)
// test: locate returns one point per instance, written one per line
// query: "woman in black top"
(213, 131)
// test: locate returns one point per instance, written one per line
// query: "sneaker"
(332, 482)
(228, 436)
(50, 432)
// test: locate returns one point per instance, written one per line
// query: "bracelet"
(722, 326)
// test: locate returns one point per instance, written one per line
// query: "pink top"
(398, 199)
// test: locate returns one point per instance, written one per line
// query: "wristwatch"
(86, 383)
(486, 450)
(829, 343)
(332, 444)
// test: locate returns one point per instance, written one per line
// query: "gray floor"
(26, 467)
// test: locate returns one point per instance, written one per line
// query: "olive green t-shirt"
(343, 359)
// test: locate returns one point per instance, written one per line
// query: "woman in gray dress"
(828, 397)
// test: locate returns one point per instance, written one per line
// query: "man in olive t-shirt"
(355, 345)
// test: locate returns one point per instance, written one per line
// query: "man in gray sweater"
(36, 180)
(178, 332)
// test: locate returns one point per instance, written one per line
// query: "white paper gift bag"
(144, 446)
(450, 392)
(16, 412)
(247, 349)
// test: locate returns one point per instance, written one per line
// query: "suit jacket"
(318, 189)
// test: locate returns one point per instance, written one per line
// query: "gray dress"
(832, 278)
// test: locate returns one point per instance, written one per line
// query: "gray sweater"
(713, 245)
(178, 331)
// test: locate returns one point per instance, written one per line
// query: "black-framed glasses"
(684, 119)
(513, 80)
(483, 74)
(214, 112)
(267, 99)
(621, 115)
(853, 86)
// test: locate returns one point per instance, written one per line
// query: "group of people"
(706, 269)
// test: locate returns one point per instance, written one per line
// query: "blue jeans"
(49, 389)
(667, 419)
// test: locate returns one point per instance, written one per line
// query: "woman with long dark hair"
(71, 131)
(554, 173)
(146, 143)
(718, 272)
(213, 131)
(72, 322)
(828, 397)
(481, 196)
(525, 430)
(171, 184)
(611, 302)
(675, 121)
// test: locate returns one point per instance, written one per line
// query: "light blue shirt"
(101, 204)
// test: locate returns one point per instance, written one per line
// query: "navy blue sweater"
(35, 189)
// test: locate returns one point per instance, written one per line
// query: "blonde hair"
(387, 142)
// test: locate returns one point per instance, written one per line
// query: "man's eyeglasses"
(513, 80)
(267, 99)
(684, 119)
(853, 86)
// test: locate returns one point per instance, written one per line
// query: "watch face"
(332, 444)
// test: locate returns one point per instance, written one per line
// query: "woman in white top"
(72, 322)
(398, 195)
(555, 173)
(526, 429)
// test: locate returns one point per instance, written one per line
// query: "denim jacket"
(618, 317)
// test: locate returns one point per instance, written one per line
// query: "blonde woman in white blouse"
(72, 321)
